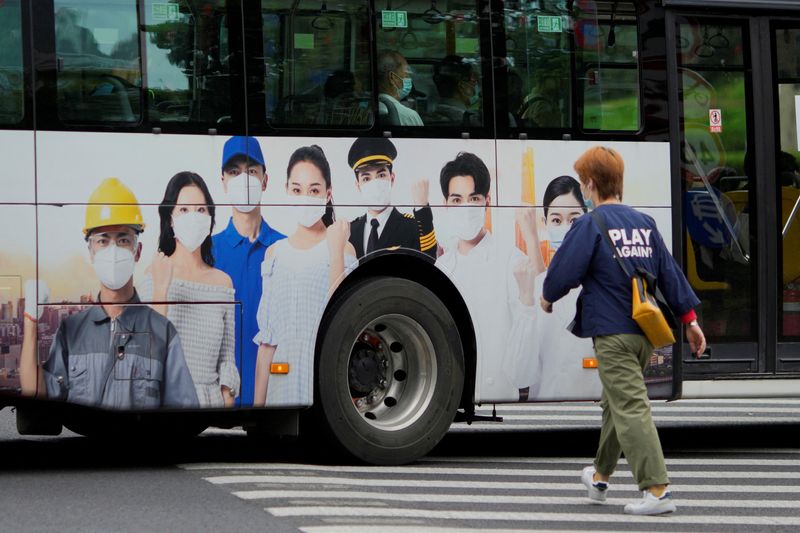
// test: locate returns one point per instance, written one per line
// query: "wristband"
(692, 323)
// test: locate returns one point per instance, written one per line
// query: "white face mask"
(244, 192)
(307, 210)
(376, 194)
(114, 266)
(466, 221)
(557, 234)
(191, 229)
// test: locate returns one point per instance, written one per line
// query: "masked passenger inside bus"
(183, 271)
(113, 355)
(299, 273)
(501, 311)
(383, 226)
(459, 87)
(394, 85)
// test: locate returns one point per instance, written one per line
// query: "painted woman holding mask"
(183, 271)
(299, 273)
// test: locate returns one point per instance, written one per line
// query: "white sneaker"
(651, 505)
(596, 490)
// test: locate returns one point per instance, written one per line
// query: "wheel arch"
(415, 266)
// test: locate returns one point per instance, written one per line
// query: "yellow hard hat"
(112, 204)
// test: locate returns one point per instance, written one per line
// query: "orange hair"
(603, 166)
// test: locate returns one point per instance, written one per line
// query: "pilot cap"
(371, 151)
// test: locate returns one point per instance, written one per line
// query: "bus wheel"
(390, 370)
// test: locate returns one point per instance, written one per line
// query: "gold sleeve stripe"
(425, 248)
(430, 239)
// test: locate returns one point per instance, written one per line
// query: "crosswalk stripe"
(459, 471)
(438, 483)
(415, 529)
(527, 516)
(493, 499)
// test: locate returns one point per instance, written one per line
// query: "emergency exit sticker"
(548, 24)
(162, 11)
(394, 19)
(715, 120)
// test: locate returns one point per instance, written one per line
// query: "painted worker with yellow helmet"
(116, 355)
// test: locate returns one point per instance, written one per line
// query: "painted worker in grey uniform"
(118, 355)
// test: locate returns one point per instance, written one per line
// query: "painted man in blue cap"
(239, 249)
(383, 226)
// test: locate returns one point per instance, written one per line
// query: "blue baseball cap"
(240, 145)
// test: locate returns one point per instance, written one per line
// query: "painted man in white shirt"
(502, 313)
(394, 84)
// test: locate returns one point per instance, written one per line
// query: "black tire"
(390, 371)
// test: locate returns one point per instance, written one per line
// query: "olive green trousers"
(627, 423)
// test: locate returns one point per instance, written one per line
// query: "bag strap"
(604, 230)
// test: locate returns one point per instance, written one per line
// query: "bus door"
(735, 90)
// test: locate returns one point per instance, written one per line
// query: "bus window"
(428, 64)
(538, 48)
(607, 65)
(11, 72)
(188, 71)
(550, 45)
(98, 62)
(317, 70)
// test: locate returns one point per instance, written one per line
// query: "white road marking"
(438, 483)
(493, 498)
(430, 514)
(461, 471)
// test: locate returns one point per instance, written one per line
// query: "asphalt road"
(734, 466)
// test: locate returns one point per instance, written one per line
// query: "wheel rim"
(392, 372)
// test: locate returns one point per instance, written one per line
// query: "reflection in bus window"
(316, 57)
(11, 72)
(546, 43)
(429, 64)
(188, 70)
(607, 65)
(99, 70)
(538, 44)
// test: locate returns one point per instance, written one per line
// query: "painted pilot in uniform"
(383, 226)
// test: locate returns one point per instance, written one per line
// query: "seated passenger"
(458, 89)
(394, 84)
(541, 108)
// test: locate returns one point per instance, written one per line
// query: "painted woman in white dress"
(183, 271)
(299, 273)
(559, 372)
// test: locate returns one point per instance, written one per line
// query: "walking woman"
(298, 274)
(183, 271)
(604, 314)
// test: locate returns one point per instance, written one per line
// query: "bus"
(334, 218)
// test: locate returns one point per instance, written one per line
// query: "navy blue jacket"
(585, 259)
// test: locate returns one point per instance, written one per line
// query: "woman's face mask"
(191, 229)
(244, 192)
(466, 221)
(307, 210)
(114, 266)
(557, 234)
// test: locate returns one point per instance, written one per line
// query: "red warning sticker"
(715, 120)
